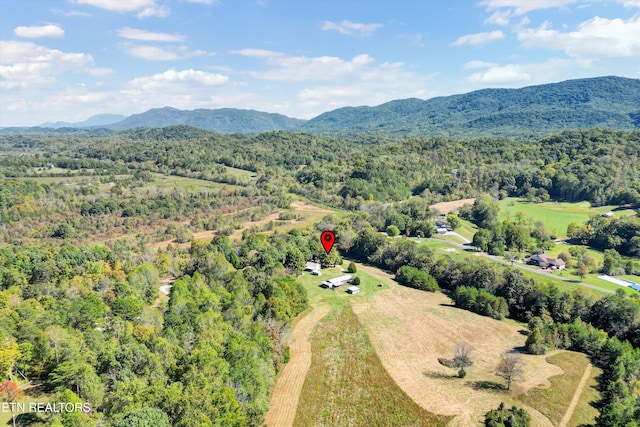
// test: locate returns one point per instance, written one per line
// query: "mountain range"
(606, 102)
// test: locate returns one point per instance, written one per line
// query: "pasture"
(410, 330)
(347, 384)
(554, 399)
(555, 216)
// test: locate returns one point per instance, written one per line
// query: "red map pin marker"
(328, 238)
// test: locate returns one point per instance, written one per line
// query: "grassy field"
(555, 216)
(339, 298)
(244, 175)
(554, 399)
(347, 384)
(410, 329)
(173, 182)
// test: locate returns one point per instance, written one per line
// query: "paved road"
(522, 267)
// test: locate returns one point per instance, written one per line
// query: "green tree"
(352, 268)
(503, 417)
(145, 417)
(393, 231)
(453, 220)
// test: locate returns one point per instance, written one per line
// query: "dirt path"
(286, 393)
(576, 397)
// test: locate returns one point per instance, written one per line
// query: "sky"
(66, 60)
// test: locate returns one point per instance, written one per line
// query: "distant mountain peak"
(608, 102)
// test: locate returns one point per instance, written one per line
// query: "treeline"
(86, 323)
(597, 165)
(619, 234)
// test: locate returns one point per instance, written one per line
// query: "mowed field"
(411, 329)
(408, 330)
(555, 216)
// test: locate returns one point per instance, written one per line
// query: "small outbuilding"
(608, 214)
(336, 282)
(353, 290)
(312, 266)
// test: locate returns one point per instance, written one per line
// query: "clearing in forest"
(347, 384)
(410, 329)
(453, 206)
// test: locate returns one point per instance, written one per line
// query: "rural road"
(521, 267)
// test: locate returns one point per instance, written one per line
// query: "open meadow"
(555, 216)
(392, 345)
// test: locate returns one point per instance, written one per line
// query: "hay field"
(411, 329)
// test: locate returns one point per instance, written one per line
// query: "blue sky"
(70, 59)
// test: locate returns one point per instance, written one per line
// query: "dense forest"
(81, 318)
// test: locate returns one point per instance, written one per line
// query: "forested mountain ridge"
(226, 120)
(610, 102)
(93, 121)
(602, 102)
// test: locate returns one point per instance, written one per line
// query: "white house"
(312, 266)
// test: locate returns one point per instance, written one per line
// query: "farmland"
(555, 216)
(408, 330)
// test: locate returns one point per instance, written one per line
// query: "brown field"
(446, 207)
(411, 329)
(289, 382)
(306, 207)
(315, 213)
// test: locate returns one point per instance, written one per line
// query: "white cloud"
(257, 53)
(152, 53)
(630, 3)
(348, 27)
(119, 5)
(202, 1)
(504, 10)
(155, 53)
(301, 68)
(516, 75)
(164, 81)
(136, 34)
(479, 64)
(40, 31)
(144, 8)
(479, 38)
(157, 11)
(25, 64)
(593, 39)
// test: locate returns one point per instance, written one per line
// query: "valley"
(167, 269)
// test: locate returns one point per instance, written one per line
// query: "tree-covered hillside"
(609, 102)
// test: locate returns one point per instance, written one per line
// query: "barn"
(336, 282)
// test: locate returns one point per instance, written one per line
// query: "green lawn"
(339, 297)
(240, 173)
(555, 216)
